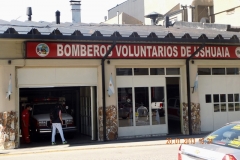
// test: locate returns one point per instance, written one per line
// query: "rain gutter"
(103, 89)
(188, 88)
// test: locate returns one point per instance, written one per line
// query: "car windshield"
(228, 136)
(45, 109)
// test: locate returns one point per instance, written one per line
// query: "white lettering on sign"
(96, 50)
(140, 51)
(83, 50)
(175, 52)
(136, 51)
(143, 51)
(103, 50)
(67, 50)
(183, 51)
(59, 50)
(108, 47)
(75, 50)
(89, 51)
(215, 52)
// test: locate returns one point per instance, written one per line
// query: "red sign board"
(57, 50)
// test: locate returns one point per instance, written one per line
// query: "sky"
(92, 11)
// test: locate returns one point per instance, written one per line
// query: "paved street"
(160, 152)
(161, 148)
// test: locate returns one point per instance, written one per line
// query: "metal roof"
(195, 32)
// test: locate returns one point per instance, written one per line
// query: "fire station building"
(150, 80)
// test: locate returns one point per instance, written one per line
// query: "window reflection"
(140, 71)
(157, 106)
(157, 71)
(237, 107)
(123, 71)
(230, 107)
(125, 107)
(216, 107)
(141, 106)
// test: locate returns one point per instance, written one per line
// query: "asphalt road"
(151, 152)
(161, 148)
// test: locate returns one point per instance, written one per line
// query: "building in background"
(177, 10)
(123, 18)
(227, 12)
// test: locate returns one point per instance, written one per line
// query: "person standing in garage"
(25, 124)
(56, 120)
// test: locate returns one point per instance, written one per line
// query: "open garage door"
(43, 88)
(79, 111)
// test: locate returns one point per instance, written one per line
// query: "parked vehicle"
(222, 144)
(160, 107)
(173, 107)
(40, 117)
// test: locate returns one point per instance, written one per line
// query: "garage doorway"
(77, 102)
(173, 105)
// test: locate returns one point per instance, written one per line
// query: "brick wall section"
(111, 123)
(8, 130)
(196, 118)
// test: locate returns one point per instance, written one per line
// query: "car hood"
(209, 151)
(46, 117)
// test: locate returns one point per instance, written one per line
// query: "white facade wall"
(141, 8)
(53, 71)
(133, 8)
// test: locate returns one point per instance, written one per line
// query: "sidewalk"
(137, 142)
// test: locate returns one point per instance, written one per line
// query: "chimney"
(29, 13)
(166, 21)
(57, 13)
(76, 11)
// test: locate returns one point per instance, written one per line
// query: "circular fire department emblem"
(42, 49)
(237, 52)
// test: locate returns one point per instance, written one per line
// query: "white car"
(222, 144)
(41, 119)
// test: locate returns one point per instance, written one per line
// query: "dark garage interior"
(78, 102)
(173, 96)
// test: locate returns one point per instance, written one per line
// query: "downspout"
(188, 88)
(103, 89)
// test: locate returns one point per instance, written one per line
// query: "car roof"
(234, 122)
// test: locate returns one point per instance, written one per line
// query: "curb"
(122, 143)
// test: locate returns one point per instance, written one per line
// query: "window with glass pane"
(204, 71)
(125, 107)
(216, 98)
(223, 97)
(157, 71)
(230, 97)
(216, 107)
(141, 71)
(141, 106)
(223, 107)
(208, 98)
(172, 71)
(236, 97)
(230, 106)
(124, 71)
(158, 110)
(237, 107)
(232, 71)
(218, 71)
